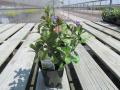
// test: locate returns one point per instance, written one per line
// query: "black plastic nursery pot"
(112, 20)
(52, 78)
(118, 22)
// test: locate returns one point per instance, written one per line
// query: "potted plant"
(56, 46)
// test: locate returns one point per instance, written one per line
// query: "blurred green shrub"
(111, 15)
(30, 11)
(11, 13)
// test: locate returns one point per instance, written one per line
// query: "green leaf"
(40, 55)
(72, 58)
(67, 41)
(61, 67)
(67, 59)
(75, 58)
(33, 46)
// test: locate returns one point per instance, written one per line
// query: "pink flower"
(57, 29)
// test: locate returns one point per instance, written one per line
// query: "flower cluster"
(77, 23)
(54, 18)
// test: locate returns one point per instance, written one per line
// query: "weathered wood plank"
(90, 74)
(9, 32)
(91, 80)
(1, 25)
(8, 46)
(103, 37)
(41, 86)
(5, 27)
(105, 30)
(16, 74)
(110, 26)
(35, 30)
(108, 56)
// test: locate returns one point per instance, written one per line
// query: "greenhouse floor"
(98, 69)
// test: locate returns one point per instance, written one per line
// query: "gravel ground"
(21, 18)
(89, 16)
(35, 17)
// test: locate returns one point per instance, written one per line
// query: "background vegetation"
(111, 15)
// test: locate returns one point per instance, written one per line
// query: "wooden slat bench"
(115, 44)
(8, 46)
(108, 56)
(6, 34)
(5, 27)
(35, 28)
(89, 72)
(108, 31)
(110, 26)
(16, 74)
(2, 25)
